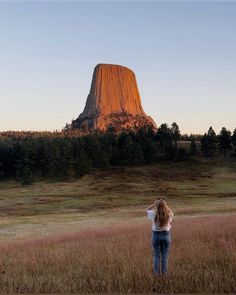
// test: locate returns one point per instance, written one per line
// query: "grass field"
(118, 259)
(92, 234)
(117, 195)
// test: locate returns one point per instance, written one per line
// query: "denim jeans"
(161, 241)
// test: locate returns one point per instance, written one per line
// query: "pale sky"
(183, 55)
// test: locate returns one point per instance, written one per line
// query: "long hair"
(162, 212)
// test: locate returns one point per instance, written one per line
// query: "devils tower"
(113, 100)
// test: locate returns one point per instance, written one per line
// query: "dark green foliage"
(102, 160)
(1, 172)
(115, 159)
(150, 151)
(204, 145)
(224, 141)
(233, 140)
(133, 154)
(209, 143)
(167, 138)
(27, 156)
(96, 152)
(129, 152)
(27, 176)
(6, 160)
(175, 133)
(81, 163)
(193, 147)
(164, 138)
(182, 154)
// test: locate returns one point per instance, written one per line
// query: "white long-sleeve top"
(151, 214)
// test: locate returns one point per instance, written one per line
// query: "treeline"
(223, 142)
(65, 155)
(72, 132)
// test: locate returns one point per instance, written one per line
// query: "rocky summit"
(113, 102)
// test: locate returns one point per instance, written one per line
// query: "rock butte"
(113, 100)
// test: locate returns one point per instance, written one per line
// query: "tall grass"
(119, 259)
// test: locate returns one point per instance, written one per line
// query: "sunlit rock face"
(113, 102)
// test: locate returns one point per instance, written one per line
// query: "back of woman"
(161, 217)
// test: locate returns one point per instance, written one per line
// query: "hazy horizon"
(182, 53)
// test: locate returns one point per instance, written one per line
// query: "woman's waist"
(156, 227)
(164, 231)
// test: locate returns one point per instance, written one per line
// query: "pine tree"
(164, 137)
(212, 141)
(175, 133)
(1, 171)
(193, 147)
(233, 139)
(209, 142)
(224, 141)
(27, 176)
(150, 151)
(82, 164)
(204, 145)
(182, 154)
(130, 152)
(134, 154)
(96, 153)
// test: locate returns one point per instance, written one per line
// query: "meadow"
(118, 259)
(117, 195)
(91, 235)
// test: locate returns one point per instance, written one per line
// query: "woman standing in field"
(161, 216)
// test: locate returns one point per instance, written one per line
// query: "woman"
(161, 216)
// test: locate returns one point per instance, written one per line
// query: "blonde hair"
(162, 212)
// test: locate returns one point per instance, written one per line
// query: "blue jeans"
(161, 241)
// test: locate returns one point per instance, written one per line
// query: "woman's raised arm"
(151, 206)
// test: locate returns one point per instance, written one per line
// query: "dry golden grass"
(119, 259)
